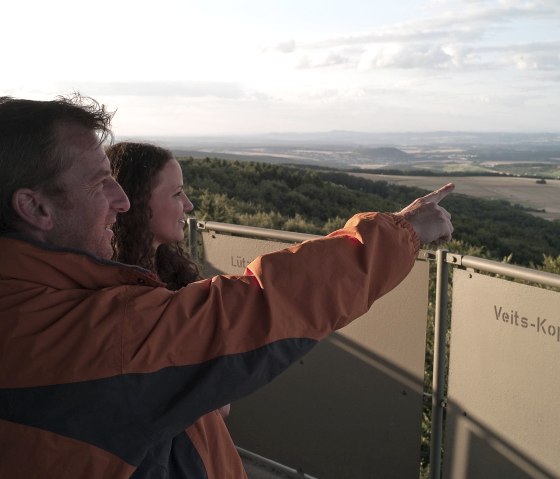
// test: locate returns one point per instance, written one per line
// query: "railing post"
(438, 380)
(192, 228)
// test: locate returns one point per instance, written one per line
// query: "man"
(102, 369)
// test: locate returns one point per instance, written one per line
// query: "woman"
(151, 235)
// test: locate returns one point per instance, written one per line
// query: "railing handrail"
(481, 264)
(505, 269)
(285, 470)
(255, 231)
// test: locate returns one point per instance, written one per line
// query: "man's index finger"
(439, 194)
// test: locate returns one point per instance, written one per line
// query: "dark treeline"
(403, 170)
(396, 172)
(316, 201)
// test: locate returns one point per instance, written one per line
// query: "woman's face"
(169, 205)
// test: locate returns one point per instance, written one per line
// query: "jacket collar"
(25, 259)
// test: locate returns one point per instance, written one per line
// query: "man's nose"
(120, 202)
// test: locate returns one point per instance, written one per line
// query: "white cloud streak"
(189, 89)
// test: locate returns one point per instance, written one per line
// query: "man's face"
(92, 197)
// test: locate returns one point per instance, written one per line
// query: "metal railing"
(442, 259)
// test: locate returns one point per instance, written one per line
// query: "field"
(522, 191)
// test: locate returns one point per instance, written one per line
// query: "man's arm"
(230, 335)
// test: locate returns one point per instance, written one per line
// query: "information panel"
(352, 408)
(503, 418)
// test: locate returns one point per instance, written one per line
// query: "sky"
(214, 67)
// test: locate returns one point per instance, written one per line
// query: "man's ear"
(33, 208)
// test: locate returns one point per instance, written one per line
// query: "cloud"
(529, 61)
(327, 59)
(544, 56)
(540, 56)
(406, 56)
(286, 47)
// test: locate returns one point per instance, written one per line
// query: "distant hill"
(266, 158)
(385, 155)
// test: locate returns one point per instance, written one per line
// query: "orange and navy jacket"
(102, 369)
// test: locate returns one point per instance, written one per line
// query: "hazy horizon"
(394, 138)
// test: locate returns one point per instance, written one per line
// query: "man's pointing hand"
(431, 222)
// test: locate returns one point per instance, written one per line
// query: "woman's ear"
(34, 210)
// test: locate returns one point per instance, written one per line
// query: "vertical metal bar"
(438, 380)
(192, 235)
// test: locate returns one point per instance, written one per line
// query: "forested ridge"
(319, 201)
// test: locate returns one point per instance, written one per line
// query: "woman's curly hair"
(135, 166)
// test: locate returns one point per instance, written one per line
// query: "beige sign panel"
(352, 408)
(503, 417)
